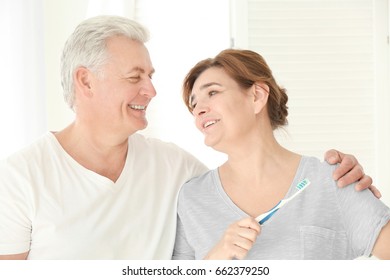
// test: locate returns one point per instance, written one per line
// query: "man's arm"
(350, 171)
(22, 256)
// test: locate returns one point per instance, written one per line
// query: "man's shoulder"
(158, 148)
(28, 160)
(151, 142)
(167, 153)
(31, 151)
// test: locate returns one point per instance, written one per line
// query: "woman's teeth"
(207, 124)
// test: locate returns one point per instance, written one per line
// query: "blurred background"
(331, 55)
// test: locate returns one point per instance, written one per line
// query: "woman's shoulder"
(199, 185)
(314, 165)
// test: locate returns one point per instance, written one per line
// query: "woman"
(237, 104)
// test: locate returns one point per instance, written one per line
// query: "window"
(22, 110)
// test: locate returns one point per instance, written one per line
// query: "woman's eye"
(193, 105)
(213, 92)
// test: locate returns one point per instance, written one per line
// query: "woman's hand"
(237, 240)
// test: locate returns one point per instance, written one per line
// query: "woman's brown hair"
(246, 68)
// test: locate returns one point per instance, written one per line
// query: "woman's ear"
(261, 93)
(82, 81)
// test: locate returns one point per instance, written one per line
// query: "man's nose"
(148, 89)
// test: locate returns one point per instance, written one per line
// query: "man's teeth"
(207, 124)
(138, 107)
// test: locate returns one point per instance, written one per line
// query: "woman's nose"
(200, 109)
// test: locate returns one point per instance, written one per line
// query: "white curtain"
(22, 106)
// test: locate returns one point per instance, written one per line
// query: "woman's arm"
(382, 245)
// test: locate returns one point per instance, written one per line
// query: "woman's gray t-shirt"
(322, 222)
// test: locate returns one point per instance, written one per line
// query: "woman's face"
(223, 111)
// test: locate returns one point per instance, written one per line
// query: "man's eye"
(213, 92)
(134, 79)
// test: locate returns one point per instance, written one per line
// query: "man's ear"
(82, 81)
(261, 93)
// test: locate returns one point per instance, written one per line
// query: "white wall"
(382, 72)
(60, 18)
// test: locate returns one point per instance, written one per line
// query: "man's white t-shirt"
(55, 208)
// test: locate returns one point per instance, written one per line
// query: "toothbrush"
(265, 216)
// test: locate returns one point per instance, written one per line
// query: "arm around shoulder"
(382, 245)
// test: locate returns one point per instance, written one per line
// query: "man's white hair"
(87, 46)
